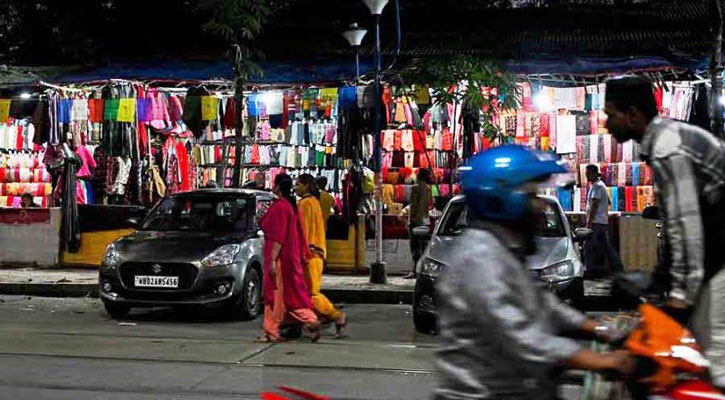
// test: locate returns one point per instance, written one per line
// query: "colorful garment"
(281, 224)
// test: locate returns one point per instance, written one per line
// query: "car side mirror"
(651, 212)
(133, 222)
(421, 232)
(582, 234)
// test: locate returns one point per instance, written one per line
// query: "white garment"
(124, 171)
(565, 134)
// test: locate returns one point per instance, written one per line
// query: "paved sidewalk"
(77, 282)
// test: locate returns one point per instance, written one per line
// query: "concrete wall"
(30, 236)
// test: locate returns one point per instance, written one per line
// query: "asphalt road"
(70, 349)
(59, 349)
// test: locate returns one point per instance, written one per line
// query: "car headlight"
(430, 267)
(111, 259)
(224, 255)
(558, 272)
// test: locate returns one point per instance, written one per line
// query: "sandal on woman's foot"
(314, 330)
(341, 328)
(265, 339)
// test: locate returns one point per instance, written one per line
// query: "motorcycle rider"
(689, 176)
(501, 335)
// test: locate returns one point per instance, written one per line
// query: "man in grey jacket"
(501, 335)
(689, 175)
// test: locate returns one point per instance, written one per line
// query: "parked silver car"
(200, 248)
(556, 264)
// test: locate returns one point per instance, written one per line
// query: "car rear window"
(550, 222)
(199, 213)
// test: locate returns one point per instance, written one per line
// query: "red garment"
(658, 98)
(230, 114)
(486, 142)
(628, 198)
(400, 194)
(419, 141)
(545, 131)
(19, 138)
(387, 99)
(447, 140)
(183, 158)
(143, 137)
(281, 224)
(95, 110)
(255, 154)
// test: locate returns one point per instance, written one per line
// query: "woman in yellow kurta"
(314, 228)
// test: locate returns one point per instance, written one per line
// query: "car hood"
(549, 250)
(153, 246)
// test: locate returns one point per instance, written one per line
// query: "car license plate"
(156, 281)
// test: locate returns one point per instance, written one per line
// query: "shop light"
(25, 96)
(376, 6)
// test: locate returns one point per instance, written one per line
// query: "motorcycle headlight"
(558, 272)
(111, 259)
(224, 255)
(430, 267)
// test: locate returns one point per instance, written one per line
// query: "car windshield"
(199, 213)
(550, 225)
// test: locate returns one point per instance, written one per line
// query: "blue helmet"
(490, 181)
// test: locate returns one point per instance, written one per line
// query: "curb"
(50, 289)
(349, 296)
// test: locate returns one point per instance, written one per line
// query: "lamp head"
(354, 35)
(376, 6)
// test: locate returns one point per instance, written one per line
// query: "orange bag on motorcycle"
(658, 337)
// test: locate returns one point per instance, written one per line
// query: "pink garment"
(89, 164)
(277, 314)
(175, 108)
(282, 224)
(159, 111)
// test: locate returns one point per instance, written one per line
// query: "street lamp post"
(354, 36)
(377, 269)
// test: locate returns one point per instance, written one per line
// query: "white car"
(556, 264)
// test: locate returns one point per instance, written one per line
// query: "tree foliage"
(473, 82)
(240, 22)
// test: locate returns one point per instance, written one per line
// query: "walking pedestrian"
(314, 229)
(689, 176)
(598, 221)
(327, 202)
(501, 335)
(420, 201)
(286, 298)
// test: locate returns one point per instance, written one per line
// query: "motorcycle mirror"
(421, 231)
(582, 234)
(651, 212)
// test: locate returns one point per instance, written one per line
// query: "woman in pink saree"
(286, 297)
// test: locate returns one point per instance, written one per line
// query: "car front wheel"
(249, 303)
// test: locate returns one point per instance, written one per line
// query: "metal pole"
(377, 269)
(357, 63)
(716, 73)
